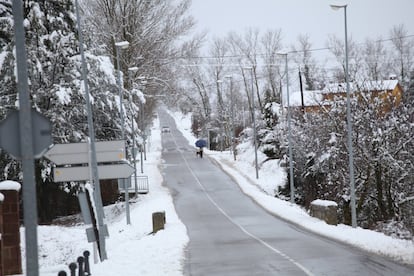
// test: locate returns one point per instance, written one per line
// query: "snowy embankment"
(131, 249)
(271, 175)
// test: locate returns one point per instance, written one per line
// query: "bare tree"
(271, 43)
(404, 56)
(247, 47)
(305, 62)
(337, 48)
(375, 58)
(154, 29)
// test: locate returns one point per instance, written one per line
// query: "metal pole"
(349, 120)
(134, 155)
(292, 186)
(26, 145)
(91, 133)
(233, 136)
(141, 148)
(254, 128)
(121, 96)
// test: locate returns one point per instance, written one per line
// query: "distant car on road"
(165, 129)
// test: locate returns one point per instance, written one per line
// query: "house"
(388, 91)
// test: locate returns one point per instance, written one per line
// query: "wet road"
(232, 235)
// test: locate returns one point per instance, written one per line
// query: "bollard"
(80, 266)
(158, 221)
(86, 259)
(83, 266)
(72, 267)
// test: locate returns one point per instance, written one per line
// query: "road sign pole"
(26, 141)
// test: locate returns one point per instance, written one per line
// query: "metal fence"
(142, 184)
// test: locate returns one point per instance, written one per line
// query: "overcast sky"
(366, 18)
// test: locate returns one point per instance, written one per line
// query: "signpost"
(81, 173)
(74, 164)
(78, 153)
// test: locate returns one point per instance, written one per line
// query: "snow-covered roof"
(310, 98)
(381, 85)
(10, 185)
(315, 97)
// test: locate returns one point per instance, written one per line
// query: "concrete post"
(158, 221)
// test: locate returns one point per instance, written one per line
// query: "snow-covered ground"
(133, 251)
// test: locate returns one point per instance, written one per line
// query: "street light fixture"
(122, 45)
(130, 71)
(349, 121)
(291, 178)
(254, 122)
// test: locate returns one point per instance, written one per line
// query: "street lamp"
(292, 184)
(219, 83)
(254, 123)
(233, 135)
(349, 121)
(93, 162)
(130, 71)
(122, 45)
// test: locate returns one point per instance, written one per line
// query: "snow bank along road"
(231, 235)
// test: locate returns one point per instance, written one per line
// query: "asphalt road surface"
(232, 235)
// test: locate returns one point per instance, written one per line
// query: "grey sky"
(366, 18)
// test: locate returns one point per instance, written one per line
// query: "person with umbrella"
(200, 144)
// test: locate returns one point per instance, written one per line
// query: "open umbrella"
(201, 143)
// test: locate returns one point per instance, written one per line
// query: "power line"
(289, 52)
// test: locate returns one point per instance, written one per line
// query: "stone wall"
(325, 210)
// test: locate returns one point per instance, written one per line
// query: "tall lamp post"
(254, 123)
(349, 122)
(291, 181)
(92, 149)
(134, 154)
(219, 83)
(122, 45)
(233, 134)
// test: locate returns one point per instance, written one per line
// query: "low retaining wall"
(325, 210)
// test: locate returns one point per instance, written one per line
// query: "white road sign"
(81, 173)
(78, 153)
